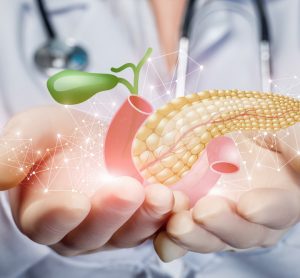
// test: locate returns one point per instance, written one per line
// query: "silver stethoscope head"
(57, 54)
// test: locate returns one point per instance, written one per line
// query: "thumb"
(29, 137)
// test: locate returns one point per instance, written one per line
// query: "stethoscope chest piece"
(57, 55)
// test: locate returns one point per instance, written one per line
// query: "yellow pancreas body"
(174, 136)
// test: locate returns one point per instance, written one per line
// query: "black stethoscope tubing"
(57, 54)
(265, 57)
(51, 34)
(185, 29)
(264, 28)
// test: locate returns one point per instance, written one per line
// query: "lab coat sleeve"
(17, 252)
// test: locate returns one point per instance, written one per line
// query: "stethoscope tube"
(264, 51)
(188, 19)
(57, 54)
(184, 49)
(265, 48)
(48, 26)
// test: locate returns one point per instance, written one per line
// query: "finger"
(148, 219)
(181, 201)
(289, 145)
(185, 232)
(112, 206)
(218, 215)
(272, 207)
(167, 249)
(26, 133)
(47, 217)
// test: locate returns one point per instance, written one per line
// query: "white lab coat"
(224, 40)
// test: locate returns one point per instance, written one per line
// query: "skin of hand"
(258, 217)
(117, 212)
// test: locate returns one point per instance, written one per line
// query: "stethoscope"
(57, 54)
(264, 55)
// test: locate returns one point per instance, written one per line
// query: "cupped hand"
(61, 196)
(258, 217)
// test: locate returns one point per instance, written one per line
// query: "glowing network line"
(75, 155)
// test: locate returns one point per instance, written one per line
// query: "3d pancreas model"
(164, 146)
(173, 138)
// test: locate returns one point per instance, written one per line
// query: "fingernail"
(160, 199)
(168, 250)
(181, 202)
(210, 208)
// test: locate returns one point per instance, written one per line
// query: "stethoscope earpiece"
(57, 55)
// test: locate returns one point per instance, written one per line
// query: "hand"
(257, 217)
(60, 195)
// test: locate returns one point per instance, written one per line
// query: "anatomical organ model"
(181, 144)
